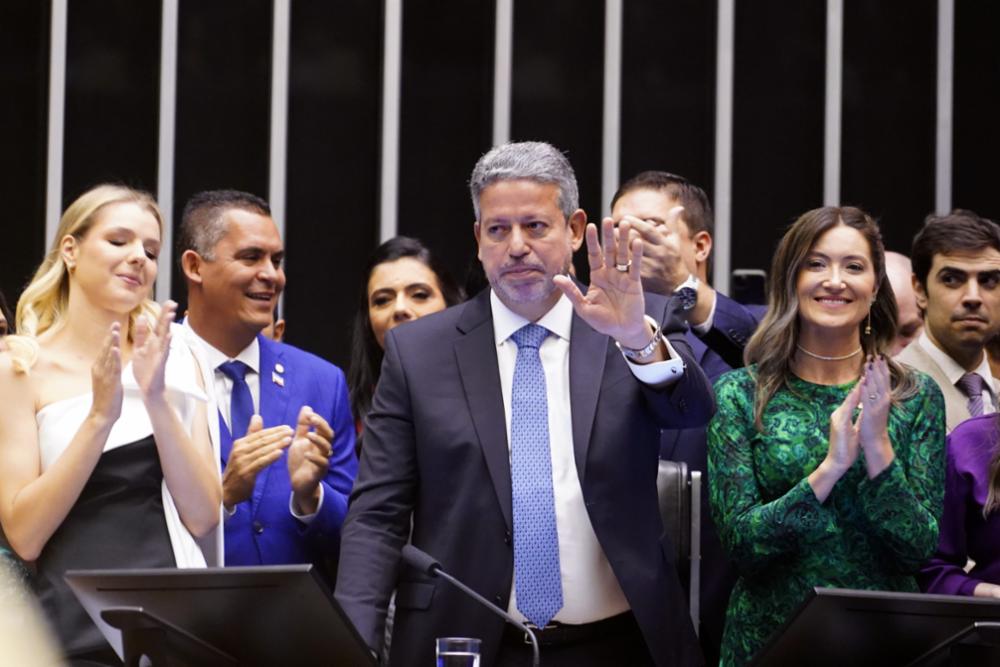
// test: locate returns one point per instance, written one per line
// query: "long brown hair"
(772, 347)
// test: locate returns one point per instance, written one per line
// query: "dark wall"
(24, 80)
(334, 110)
(779, 70)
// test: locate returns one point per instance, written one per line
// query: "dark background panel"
(558, 89)
(223, 101)
(889, 116)
(331, 220)
(24, 80)
(112, 95)
(976, 176)
(779, 61)
(446, 121)
(668, 89)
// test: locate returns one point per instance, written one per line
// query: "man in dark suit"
(675, 261)
(284, 425)
(515, 439)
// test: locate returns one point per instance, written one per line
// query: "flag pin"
(277, 379)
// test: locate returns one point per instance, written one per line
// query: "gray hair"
(527, 160)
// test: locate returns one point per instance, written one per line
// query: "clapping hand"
(309, 459)
(876, 394)
(844, 432)
(106, 377)
(151, 347)
(614, 304)
(259, 448)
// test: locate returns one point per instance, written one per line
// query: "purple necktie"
(972, 386)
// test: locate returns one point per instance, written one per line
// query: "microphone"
(425, 563)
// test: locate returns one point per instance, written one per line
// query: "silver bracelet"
(643, 353)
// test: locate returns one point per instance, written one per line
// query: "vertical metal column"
(392, 54)
(165, 153)
(57, 107)
(725, 40)
(834, 101)
(280, 46)
(945, 118)
(611, 139)
(503, 65)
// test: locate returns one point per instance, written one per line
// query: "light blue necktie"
(240, 402)
(536, 540)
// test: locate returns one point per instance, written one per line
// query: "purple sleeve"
(944, 573)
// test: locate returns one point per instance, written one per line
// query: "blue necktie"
(536, 540)
(240, 401)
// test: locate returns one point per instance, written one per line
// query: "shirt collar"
(559, 319)
(950, 367)
(250, 355)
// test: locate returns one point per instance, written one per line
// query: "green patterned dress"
(869, 534)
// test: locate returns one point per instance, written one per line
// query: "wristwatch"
(642, 353)
(687, 292)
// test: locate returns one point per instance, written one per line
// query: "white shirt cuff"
(305, 518)
(706, 326)
(227, 513)
(658, 374)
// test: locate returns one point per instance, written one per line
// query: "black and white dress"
(124, 516)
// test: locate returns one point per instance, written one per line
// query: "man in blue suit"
(285, 431)
(675, 261)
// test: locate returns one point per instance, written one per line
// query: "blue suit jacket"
(263, 530)
(718, 352)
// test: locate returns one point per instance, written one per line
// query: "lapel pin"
(277, 379)
(279, 368)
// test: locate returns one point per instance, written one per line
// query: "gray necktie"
(972, 385)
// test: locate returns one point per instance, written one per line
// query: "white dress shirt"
(590, 590)
(954, 372)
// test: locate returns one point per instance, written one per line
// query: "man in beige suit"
(956, 278)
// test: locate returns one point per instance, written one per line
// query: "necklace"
(822, 358)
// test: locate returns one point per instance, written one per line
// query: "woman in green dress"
(826, 457)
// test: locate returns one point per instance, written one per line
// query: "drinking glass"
(457, 652)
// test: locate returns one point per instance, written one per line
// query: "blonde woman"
(105, 459)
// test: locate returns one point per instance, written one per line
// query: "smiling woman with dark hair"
(826, 457)
(403, 281)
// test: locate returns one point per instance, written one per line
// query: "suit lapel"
(273, 400)
(476, 355)
(955, 402)
(588, 352)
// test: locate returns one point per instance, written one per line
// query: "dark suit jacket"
(732, 327)
(436, 450)
(263, 530)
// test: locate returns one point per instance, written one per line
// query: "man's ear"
(920, 293)
(279, 330)
(702, 246)
(476, 229)
(191, 264)
(577, 226)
